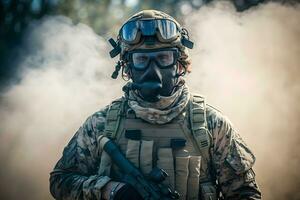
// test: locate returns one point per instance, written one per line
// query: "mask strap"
(125, 75)
(184, 70)
(179, 82)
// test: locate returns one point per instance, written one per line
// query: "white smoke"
(247, 64)
(65, 78)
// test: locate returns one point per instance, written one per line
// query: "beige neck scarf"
(163, 111)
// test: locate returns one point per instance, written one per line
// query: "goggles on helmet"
(164, 58)
(166, 30)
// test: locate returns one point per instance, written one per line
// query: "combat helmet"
(150, 29)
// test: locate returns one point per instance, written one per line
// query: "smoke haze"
(246, 64)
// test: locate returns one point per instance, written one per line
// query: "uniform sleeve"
(232, 160)
(75, 174)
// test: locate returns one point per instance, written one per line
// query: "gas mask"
(150, 44)
(154, 72)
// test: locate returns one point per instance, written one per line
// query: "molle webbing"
(200, 132)
(113, 118)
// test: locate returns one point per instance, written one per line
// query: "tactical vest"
(181, 147)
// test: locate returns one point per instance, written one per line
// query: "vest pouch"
(208, 191)
(166, 162)
(140, 153)
(133, 152)
(182, 173)
(146, 156)
(193, 178)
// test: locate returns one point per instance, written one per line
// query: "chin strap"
(184, 69)
(180, 82)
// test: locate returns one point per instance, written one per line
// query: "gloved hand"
(127, 192)
(119, 191)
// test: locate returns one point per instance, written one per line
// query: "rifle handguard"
(148, 189)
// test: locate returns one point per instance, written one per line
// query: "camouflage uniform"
(75, 176)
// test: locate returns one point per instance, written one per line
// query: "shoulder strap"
(113, 118)
(200, 132)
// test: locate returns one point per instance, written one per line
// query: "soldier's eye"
(141, 58)
(165, 58)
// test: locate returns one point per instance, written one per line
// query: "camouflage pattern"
(232, 159)
(163, 111)
(75, 175)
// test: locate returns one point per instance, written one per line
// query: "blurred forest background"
(104, 16)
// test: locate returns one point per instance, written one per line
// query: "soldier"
(157, 123)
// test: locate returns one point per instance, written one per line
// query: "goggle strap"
(116, 48)
(187, 43)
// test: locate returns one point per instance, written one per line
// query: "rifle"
(150, 188)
